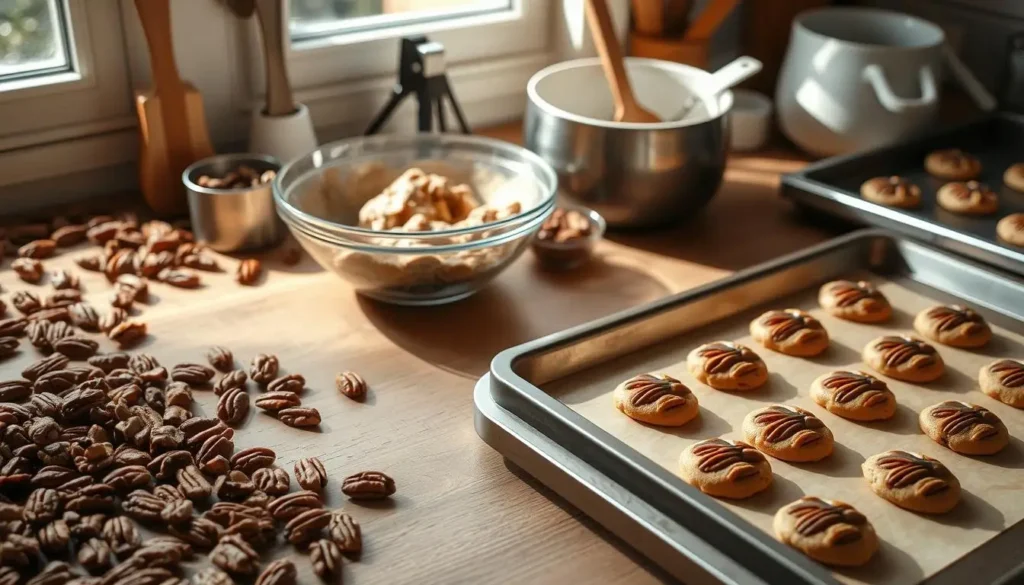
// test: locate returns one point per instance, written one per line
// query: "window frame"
(93, 97)
(359, 55)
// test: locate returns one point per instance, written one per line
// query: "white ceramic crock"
(857, 78)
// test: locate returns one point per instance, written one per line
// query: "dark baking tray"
(833, 186)
(653, 508)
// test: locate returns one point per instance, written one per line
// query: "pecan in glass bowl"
(419, 254)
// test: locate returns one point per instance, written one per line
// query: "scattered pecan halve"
(299, 416)
(249, 271)
(264, 368)
(351, 385)
(220, 358)
(233, 406)
(310, 474)
(368, 485)
(28, 269)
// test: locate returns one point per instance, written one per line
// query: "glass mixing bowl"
(320, 194)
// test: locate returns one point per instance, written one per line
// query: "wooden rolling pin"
(171, 119)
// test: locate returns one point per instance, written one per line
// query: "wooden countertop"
(461, 514)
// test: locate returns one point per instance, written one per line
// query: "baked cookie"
(1004, 381)
(725, 469)
(952, 164)
(854, 396)
(657, 400)
(892, 191)
(912, 481)
(1010, 229)
(965, 428)
(792, 332)
(953, 325)
(904, 358)
(788, 433)
(1014, 177)
(828, 531)
(725, 365)
(854, 301)
(970, 198)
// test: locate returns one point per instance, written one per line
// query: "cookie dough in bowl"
(420, 219)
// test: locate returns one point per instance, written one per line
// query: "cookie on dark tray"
(892, 191)
(967, 198)
(952, 164)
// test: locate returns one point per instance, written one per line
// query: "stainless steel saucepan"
(634, 174)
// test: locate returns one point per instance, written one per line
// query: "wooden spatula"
(279, 91)
(626, 107)
(171, 118)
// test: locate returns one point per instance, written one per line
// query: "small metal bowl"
(232, 220)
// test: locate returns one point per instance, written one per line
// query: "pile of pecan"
(92, 448)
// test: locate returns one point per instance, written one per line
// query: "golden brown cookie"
(892, 191)
(854, 301)
(965, 428)
(725, 469)
(904, 358)
(1004, 381)
(1010, 229)
(792, 332)
(970, 198)
(854, 396)
(725, 365)
(657, 400)
(828, 531)
(1014, 177)
(953, 325)
(912, 481)
(788, 433)
(952, 164)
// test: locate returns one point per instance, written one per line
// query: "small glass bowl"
(319, 196)
(574, 253)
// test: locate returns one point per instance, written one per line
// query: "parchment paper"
(914, 547)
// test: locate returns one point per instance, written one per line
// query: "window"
(33, 40)
(62, 77)
(312, 19)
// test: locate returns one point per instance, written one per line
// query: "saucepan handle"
(875, 75)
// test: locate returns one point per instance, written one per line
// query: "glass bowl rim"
(504, 237)
(507, 149)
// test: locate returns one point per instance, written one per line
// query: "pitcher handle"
(970, 83)
(874, 75)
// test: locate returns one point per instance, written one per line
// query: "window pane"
(32, 38)
(318, 18)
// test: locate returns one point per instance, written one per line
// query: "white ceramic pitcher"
(857, 78)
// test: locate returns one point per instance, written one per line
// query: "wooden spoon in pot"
(626, 107)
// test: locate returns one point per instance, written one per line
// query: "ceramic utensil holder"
(283, 137)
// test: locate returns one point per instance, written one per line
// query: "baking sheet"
(833, 185)
(914, 547)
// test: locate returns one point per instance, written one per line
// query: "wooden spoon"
(279, 91)
(626, 107)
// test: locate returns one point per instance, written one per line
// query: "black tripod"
(421, 70)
